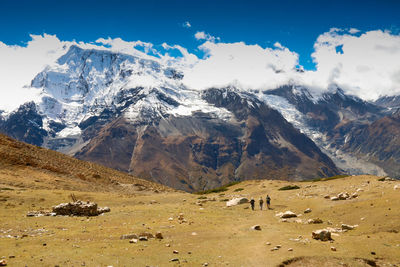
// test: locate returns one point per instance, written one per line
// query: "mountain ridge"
(101, 106)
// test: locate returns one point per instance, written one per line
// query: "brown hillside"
(25, 165)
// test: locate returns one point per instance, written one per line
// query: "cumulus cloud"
(186, 24)
(187, 59)
(205, 36)
(242, 65)
(367, 65)
(20, 64)
(353, 30)
(121, 46)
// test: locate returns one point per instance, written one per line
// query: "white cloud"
(186, 24)
(242, 65)
(121, 46)
(368, 65)
(187, 59)
(20, 64)
(205, 36)
(353, 30)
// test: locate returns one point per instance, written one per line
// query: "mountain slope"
(329, 120)
(203, 151)
(25, 165)
(136, 115)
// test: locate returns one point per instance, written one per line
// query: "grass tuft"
(289, 187)
(329, 178)
(218, 189)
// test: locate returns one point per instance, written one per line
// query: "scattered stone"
(174, 259)
(181, 219)
(308, 210)
(143, 238)
(146, 234)
(194, 233)
(290, 249)
(167, 245)
(205, 264)
(314, 221)
(3, 262)
(104, 210)
(256, 227)
(133, 241)
(40, 213)
(343, 196)
(373, 253)
(288, 214)
(323, 235)
(348, 227)
(327, 196)
(333, 248)
(79, 208)
(268, 243)
(236, 201)
(278, 246)
(389, 179)
(396, 187)
(284, 220)
(170, 219)
(159, 235)
(175, 252)
(129, 236)
(11, 256)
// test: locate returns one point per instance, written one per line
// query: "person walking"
(261, 203)
(252, 203)
(268, 202)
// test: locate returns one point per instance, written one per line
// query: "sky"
(340, 42)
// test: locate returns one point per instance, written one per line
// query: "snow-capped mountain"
(136, 115)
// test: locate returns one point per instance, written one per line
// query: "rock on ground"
(348, 227)
(159, 235)
(79, 208)
(314, 221)
(323, 235)
(143, 238)
(146, 234)
(288, 214)
(236, 201)
(256, 227)
(129, 236)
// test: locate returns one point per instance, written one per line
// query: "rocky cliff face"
(203, 151)
(134, 114)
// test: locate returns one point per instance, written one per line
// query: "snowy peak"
(83, 82)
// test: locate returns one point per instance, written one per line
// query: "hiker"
(261, 203)
(268, 202)
(252, 203)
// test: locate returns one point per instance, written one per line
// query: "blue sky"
(295, 24)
